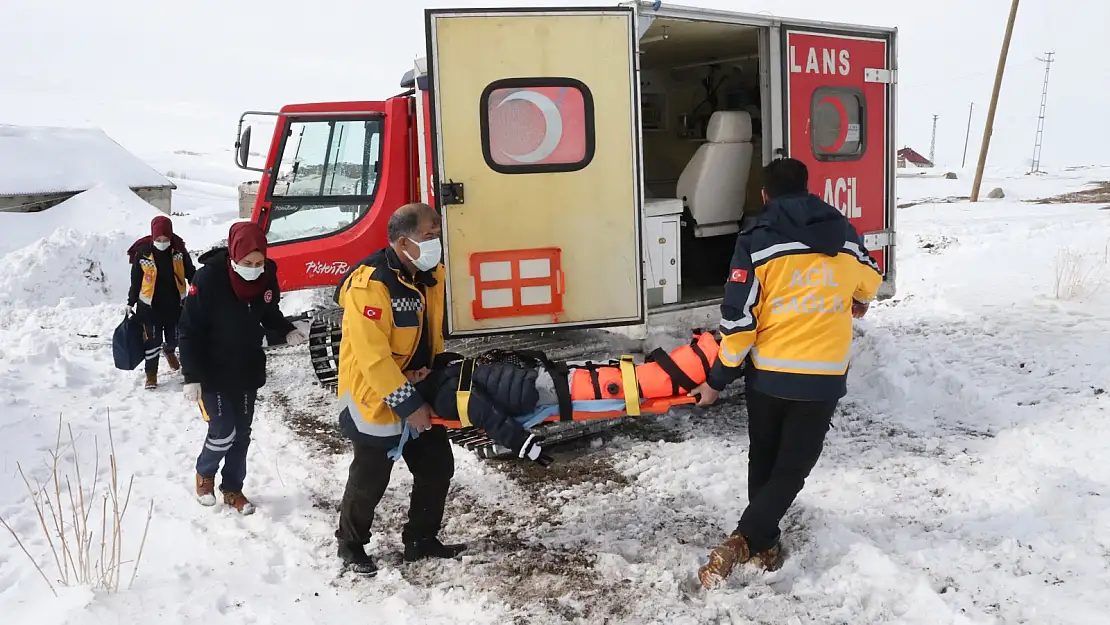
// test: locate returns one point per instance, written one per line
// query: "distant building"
(41, 167)
(907, 157)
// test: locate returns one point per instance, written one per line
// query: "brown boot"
(722, 559)
(172, 361)
(151, 381)
(236, 500)
(769, 559)
(206, 490)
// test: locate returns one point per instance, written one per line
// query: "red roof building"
(907, 156)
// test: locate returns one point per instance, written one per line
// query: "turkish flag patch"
(738, 275)
(372, 313)
(192, 289)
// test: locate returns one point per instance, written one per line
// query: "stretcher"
(550, 421)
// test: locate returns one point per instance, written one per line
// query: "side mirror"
(244, 147)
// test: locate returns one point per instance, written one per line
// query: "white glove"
(296, 337)
(192, 392)
(129, 309)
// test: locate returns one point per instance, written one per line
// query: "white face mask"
(248, 273)
(162, 245)
(430, 252)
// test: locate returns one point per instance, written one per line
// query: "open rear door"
(537, 162)
(839, 116)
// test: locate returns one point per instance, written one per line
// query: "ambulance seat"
(713, 186)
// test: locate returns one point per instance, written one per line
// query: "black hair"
(784, 176)
(406, 221)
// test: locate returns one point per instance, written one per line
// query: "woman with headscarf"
(160, 269)
(232, 304)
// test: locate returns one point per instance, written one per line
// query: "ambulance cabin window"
(326, 178)
(537, 125)
(839, 130)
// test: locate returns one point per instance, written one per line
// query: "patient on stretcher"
(503, 392)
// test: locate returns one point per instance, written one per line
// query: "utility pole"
(988, 128)
(933, 143)
(968, 135)
(1040, 119)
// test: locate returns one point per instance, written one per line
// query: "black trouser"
(432, 465)
(786, 439)
(153, 334)
(229, 416)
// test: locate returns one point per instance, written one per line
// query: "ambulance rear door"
(537, 164)
(839, 114)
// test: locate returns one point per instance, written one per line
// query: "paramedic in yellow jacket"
(161, 269)
(393, 306)
(798, 276)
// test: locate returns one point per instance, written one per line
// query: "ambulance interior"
(701, 105)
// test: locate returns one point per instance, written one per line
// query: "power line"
(1048, 60)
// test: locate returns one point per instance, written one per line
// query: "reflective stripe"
(775, 249)
(364, 426)
(810, 365)
(220, 444)
(731, 358)
(861, 255)
(747, 322)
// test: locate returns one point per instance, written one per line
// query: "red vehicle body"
(619, 237)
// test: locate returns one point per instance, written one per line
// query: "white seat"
(714, 183)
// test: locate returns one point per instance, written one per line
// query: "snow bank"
(85, 268)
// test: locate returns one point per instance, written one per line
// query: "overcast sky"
(163, 76)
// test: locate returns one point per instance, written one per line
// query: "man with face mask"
(231, 306)
(393, 307)
(161, 267)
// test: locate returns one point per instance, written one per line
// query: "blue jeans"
(229, 417)
(153, 333)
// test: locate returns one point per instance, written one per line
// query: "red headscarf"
(159, 226)
(243, 238)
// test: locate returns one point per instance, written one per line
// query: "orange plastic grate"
(517, 283)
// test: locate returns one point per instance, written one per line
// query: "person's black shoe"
(431, 548)
(355, 559)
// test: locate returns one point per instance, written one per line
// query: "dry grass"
(1079, 275)
(86, 550)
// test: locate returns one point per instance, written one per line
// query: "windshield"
(326, 178)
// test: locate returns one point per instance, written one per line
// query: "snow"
(964, 480)
(37, 160)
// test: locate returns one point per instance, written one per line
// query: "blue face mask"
(162, 245)
(249, 274)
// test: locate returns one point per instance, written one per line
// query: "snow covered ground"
(965, 479)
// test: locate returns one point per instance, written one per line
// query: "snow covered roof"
(40, 159)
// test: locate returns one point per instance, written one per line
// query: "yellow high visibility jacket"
(787, 309)
(384, 315)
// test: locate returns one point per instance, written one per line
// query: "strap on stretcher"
(462, 396)
(631, 386)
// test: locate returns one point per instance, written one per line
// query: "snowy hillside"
(964, 481)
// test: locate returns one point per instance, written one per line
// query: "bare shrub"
(1079, 275)
(86, 550)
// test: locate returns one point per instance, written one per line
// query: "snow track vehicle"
(592, 166)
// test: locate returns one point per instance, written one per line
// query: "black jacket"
(221, 336)
(166, 308)
(498, 393)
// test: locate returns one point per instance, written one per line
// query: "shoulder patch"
(372, 313)
(738, 275)
(268, 296)
(193, 288)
